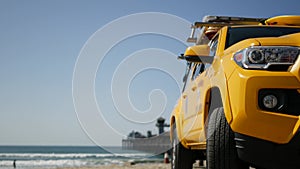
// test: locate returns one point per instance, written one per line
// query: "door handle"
(194, 88)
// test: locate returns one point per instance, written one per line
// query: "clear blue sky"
(41, 41)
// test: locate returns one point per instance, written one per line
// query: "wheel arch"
(215, 97)
(175, 121)
(172, 123)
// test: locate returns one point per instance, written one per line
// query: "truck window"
(186, 75)
(199, 68)
(213, 46)
(237, 34)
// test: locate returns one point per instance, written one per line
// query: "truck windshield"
(236, 34)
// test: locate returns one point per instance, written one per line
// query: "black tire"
(182, 158)
(220, 149)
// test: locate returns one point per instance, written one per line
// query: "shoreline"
(126, 166)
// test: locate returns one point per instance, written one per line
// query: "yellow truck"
(240, 103)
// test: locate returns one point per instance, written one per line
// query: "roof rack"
(220, 21)
(232, 19)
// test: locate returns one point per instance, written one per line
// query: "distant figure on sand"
(14, 164)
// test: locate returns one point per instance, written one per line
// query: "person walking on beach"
(14, 163)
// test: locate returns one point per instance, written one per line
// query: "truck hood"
(286, 40)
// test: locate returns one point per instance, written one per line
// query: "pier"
(156, 144)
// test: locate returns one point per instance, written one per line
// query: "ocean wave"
(48, 163)
(61, 163)
(49, 157)
(69, 155)
(69, 163)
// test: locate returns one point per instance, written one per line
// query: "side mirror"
(197, 53)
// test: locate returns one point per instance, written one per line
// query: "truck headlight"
(263, 57)
(256, 56)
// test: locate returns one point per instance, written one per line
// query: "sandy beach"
(128, 166)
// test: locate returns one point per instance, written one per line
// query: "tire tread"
(221, 150)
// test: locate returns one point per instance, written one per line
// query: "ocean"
(31, 157)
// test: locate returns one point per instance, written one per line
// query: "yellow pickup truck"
(240, 103)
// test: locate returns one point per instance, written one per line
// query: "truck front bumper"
(265, 154)
(249, 119)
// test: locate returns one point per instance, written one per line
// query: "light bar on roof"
(232, 19)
